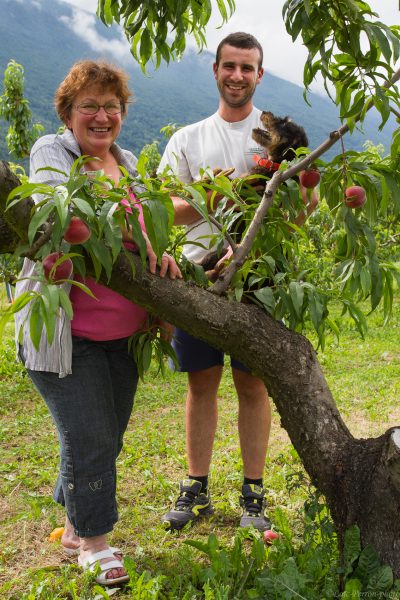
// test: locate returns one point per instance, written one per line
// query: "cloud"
(90, 5)
(83, 24)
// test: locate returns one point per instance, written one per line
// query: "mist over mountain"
(36, 35)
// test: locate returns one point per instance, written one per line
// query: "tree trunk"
(360, 479)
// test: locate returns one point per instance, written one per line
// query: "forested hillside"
(36, 36)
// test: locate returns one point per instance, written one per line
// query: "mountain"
(36, 35)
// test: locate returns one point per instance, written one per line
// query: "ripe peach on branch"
(63, 270)
(355, 196)
(77, 232)
(310, 178)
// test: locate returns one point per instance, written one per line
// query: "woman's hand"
(168, 264)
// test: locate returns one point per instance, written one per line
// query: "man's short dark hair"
(240, 40)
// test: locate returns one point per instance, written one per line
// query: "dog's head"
(280, 137)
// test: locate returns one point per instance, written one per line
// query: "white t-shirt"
(212, 143)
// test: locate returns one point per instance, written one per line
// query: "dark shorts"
(195, 355)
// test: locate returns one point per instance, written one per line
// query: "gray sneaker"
(191, 504)
(254, 507)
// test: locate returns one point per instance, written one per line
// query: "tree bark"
(360, 478)
(14, 222)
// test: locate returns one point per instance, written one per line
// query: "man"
(222, 140)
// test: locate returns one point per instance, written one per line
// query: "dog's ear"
(297, 134)
(268, 119)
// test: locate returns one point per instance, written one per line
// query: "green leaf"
(352, 590)
(376, 282)
(387, 295)
(146, 355)
(381, 580)
(38, 219)
(198, 545)
(61, 201)
(368, 563)
(51, 292)
(82, 287)
(380, 38)
(316, 308)
(49, 318)
(65, 302)
(365, 280)
(113, 238)
(26, 190)
(333, 327)
(296, 291)
(137, 235)
(101, 252)
(141, 165)
(352, 548)
(19, 303)
(266, 296)
(146, 46)
(84, 207)
(156, 219)
(198, 200)
(36, 322)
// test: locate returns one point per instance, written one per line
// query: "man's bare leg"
(254, 428)
(254, 422)
(201, 418)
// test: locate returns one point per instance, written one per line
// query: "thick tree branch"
(264, 345)
(14, 222)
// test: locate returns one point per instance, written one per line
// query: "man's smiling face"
(237, 74)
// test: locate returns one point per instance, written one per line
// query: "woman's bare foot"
(69, 539)
(89, 546)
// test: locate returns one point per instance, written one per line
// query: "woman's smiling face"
(95, 133)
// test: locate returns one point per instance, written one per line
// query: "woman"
(87, 377)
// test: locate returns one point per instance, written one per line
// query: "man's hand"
(166, 330)
(310, 199)
(250, 180)
(213, 273)
(216, 173)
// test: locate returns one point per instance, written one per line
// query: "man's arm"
(185, 214)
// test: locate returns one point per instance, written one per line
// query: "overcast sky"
(262, 18)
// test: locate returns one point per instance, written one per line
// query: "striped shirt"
(59, 151)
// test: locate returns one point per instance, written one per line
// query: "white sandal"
(75, 551)
(90, 564)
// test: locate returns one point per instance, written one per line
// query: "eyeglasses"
(92, 108)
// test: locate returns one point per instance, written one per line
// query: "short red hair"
(91, 73)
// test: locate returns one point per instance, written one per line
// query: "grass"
(364, 377)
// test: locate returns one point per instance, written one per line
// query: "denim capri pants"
(91, 409)
(195, 355)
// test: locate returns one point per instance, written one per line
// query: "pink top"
(110, 316)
